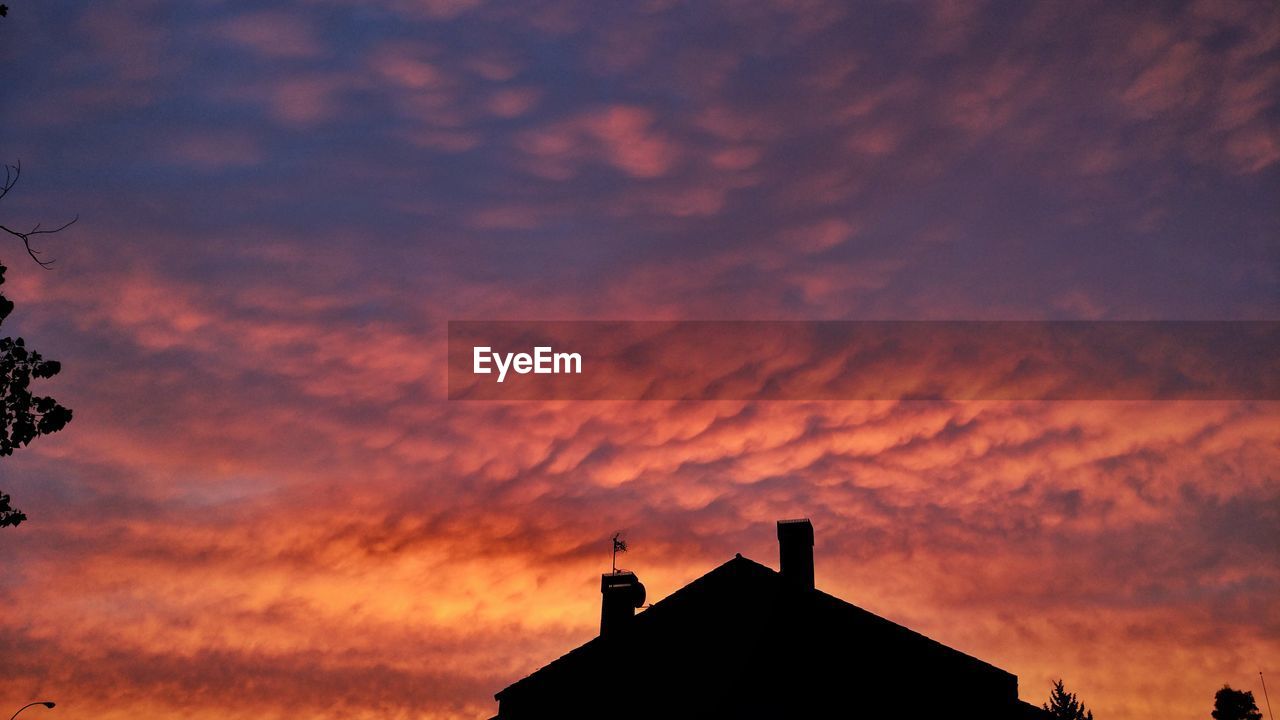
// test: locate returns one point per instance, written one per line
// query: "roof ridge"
(738, 560)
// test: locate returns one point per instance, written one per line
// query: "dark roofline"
(640, 620)
(738, 561)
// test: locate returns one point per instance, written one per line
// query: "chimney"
(795, 552)
(623, 593)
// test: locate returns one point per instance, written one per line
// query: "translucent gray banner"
(857, 360)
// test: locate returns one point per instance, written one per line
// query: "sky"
(267, 507)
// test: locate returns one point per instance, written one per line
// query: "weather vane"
(619, 545)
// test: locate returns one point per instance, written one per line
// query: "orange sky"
(1125, 546)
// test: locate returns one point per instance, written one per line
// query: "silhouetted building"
(744, 641)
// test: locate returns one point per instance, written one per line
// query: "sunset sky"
(265, 506)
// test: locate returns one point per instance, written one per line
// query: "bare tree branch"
(11, 175)
(9, 182)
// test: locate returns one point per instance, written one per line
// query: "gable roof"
(738, 599)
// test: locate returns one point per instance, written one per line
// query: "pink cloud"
(513, 102)
(295, 98)
(214, 150)
(631, 143)
(306, 99)
(619, 135)
(406, 70)
(272, 34)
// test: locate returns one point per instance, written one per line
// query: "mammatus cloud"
(265, 495)
(396, 549)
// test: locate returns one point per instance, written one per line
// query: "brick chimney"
(795, 552)
(622, 593)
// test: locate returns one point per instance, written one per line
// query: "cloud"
(513, 102)
(620, 136)
(264, 494)
(272, 34)
(215, 150)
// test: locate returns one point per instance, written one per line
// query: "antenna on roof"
(1265, 695)
(619, 545)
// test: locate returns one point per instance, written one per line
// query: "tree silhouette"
(9, 515)
(1065, 706)
(1231, 704)
(11, 175)
(23, 415)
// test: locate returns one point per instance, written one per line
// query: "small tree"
(23, 416)
(1231, 704)
(1063, 705)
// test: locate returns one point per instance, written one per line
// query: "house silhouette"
(744, 641)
